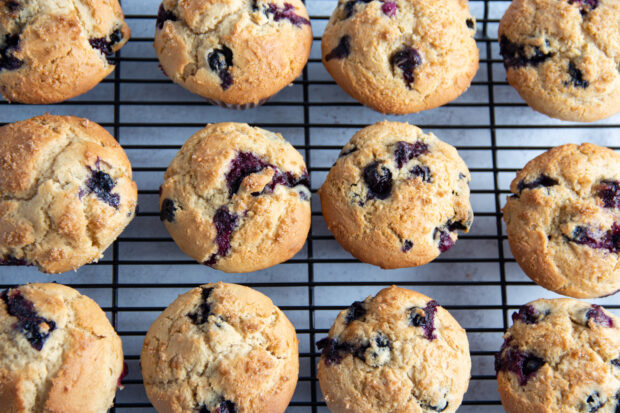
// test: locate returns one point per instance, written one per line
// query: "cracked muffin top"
(66, 192)
(237, 198)
(220, 348)
(399, 351)
(51, 51)
(396, 190)
(563, 56)
(563, 220)
(401, 56)
(56, 346)
(233, 52)
(560, 355)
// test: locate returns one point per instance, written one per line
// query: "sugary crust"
(577, 358)
(59, 63)
(267, 55)
(82, 356)
(271, 227)
(374, 230)
(540, 222)
(47, 215)
(417, 371)
(246, 353)
(438, 30)
(589, 40)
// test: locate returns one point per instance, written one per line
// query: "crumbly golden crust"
(563, 56)
(80, 356)
(220, 344)
(441, 32)
(396, 352)
(267, 51)
(560, 356)
(58, 46)
(417, 218)
(562, 217)
(237, 198)
(66, 192)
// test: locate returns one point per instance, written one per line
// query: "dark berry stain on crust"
(202, 313)
(598, 316)
(524, 365)
(163, 15)
(286, 13)
(425, 318)
(378, 178)
(349, 151)
(585, 6)
(407, 245)
(342, 50)
(598, 239)
(593, 403)
(333, 352)
(166, 212)
(13, 6)
(220, 61)
(405, 151)
(515, 56)
(616, 362)
(226, 406)
(542, 181)
(124, 373)
(106, 46)
(11, 260)
(35, 328)
(470, 23)
(528, 315)
(609, 192)
(225, 223)
(349, 7)
(101, 184)
(407, 60)
(576, 77)
(7, 60)
(355, 312)
(422, 171)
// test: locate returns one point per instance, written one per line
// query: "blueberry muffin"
(401, 56)
(236, 53)
(563, 220)
(52, 51)
(220, 348)
(397, 352)
(396, 196)
(560, 355)
(569, 70)
(56, 346)
(237, 198)
(66, 189)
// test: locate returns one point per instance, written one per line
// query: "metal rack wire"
(478, 280)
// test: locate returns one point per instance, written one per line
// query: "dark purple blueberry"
(101, 184)
(349, 151)
(524, 365)
(11, 260)
(162, 70)
(576, 77)
(456, 225)
(609, 240)
(598, 316)
(462, 175)
(163, 15)
(443, 405)
(379, 181)
(7, 60)
(422, 171)
(243, 165)
(585, 6)
(609, 192)
(515, 57)
(287, 179)
(220, 61)
(287, 13)
(407, 245)
(349, 7)
(382, 341)
(593, 403)
(425, 318)
(334, 352)
(225, 223)
(445, 240)
(407, 59)
(35, 328)
(341, 51)
(389, 8)
(616, 362)
(355, 312)
(226, 406)
(528, 315)
(470, 23)
(13, 6)
(542, 181)
(105, 46)
(166, 212)
(405, 151)
(617, 402)
(124, 374)
(202, 313)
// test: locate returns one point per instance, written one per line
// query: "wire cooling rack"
(478, 281)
